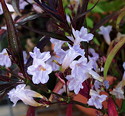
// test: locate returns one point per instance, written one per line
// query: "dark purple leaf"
(69, 110)
(80, 21)
(85, 91)
(13, 40)
(31, 111)
(4, 78)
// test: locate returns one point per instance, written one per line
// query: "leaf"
(112, 108)
(31, 111)
(4, 78)
(24, 19)
(15, 4)
(86, 90)
(69, 110)
(13, 40)
(112, 54)
(49, 34)
(96, 9)
(123, 107)
(103, 21)
(119, 19)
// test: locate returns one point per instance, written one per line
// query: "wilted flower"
(96, 99)
(40, 70)
(26, 95)
(81, 35)
(105, 31)
(4, 59)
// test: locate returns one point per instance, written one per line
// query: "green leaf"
(89, 22)
(119, 19)
(123, 107)
(112, 54)
(96, 9)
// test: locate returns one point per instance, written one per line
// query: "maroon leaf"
(69, 110)
(85, 91)
(112, 108)
(4, 78)
(31, 111)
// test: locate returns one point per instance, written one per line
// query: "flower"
(75, 83)
(96, 99)
(83, 69)
(98, 84)
(25, 57)
(36, 54)
(26, 95)
(71, 54)
(81, 35)
(57, 44)
(39, 69)
(118, 92)
(4, 59)
(124, 71)
(105, 31)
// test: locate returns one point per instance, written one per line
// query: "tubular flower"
(96, 99)
(75, 83)
(83, 69)
(71, 54)
(118, 91)
(26, 95)
(81, 35)
(4, 59)
(39, 69)
(105, 31)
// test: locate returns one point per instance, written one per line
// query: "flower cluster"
(69, 60)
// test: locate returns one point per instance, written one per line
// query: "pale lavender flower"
(75, 84)
(124, 71)
(57, 44)
(96, 99)
(40, 70)
(36, 54)
(98, 84)
(71, 54)
(25, 57)
(4, 59)
(105, 31)
(118, 92)
(26, 95)
(81, 35)
(83, 69)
